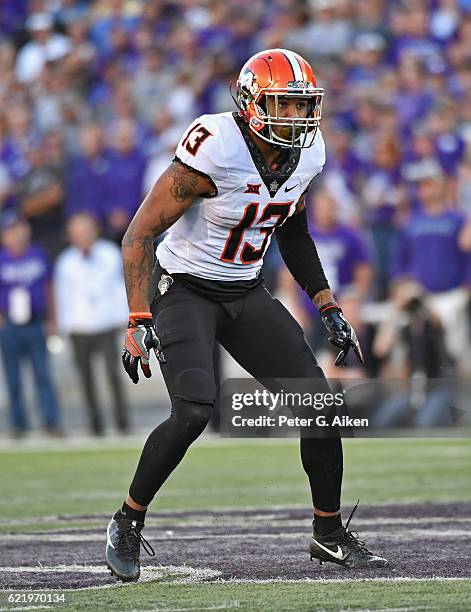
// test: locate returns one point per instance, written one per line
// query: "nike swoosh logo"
(289, 188)
(338, 554)
(110, 543)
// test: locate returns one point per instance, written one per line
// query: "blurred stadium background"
(94, 97)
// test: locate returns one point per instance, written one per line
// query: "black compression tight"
(322, 460)
(263, 338)
(166, 446)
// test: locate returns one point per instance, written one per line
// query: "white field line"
(223, 606)
(283, 522)
(79, 443)
(219, 520)
(409, 534)
(13, 607)
(56, 569)
(175, 574)
(339, 580)
(188, 575)
(408, 609)
(227, 605)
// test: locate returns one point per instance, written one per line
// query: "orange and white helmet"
(279, 73)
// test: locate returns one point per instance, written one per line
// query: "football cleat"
(123, 544)
(344, 548)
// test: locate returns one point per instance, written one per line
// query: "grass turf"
(373, 595)
(219, 475)
(42, 483)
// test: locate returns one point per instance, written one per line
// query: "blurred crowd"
(94, 96)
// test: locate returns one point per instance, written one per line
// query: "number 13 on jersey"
(248, 253)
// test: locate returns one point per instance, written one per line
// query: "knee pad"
(191, 416)
(196, 385)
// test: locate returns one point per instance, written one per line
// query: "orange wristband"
(140, 315)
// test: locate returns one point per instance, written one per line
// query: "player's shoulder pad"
(202, 147)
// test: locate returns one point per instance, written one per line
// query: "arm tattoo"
(138, 261)
(142, 243)
(184, 182)
(165, 221)
(138, 245)
(322, 297)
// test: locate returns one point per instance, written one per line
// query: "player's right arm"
(189, 176)
(166, 202)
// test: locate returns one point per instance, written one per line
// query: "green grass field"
(39, 484)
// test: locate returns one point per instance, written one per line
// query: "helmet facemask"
(296, 132)
(269, 77)
(302, 129)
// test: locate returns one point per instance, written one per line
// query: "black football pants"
(263, 338)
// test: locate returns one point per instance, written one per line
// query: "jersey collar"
(273, 179)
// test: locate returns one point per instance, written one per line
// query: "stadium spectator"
(413, 102)
(150, 84)
(343, 250)
(463, 187)
(5, 186)
(77, 74)
(383, 196)
(410, 342)
(367, 62)
(369, 17)
(44, 46)
(449, 145)
(91, 307)
(429, 252)
(88, 176)
(181, 99)
(126, 172)
(54, 151)
(328, 32)
(19, 135)
(344, 170)
(420, 157)
(41, 200)
(445, 20)
(26, 306)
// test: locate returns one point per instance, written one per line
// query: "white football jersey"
(225, 237)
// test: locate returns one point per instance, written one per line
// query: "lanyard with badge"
(19, 306)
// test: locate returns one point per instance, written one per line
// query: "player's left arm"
(301, 258)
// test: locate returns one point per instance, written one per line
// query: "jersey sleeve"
(318, 153)
(312, 163)
(201, 149)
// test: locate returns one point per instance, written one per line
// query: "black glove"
(140, 338)
(342, 334)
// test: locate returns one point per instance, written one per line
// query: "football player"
(236, 180)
